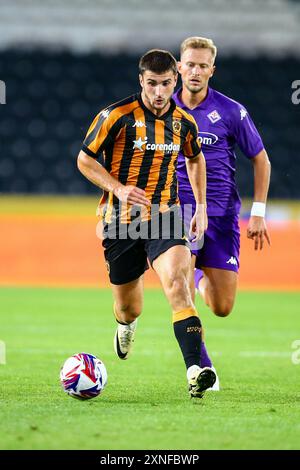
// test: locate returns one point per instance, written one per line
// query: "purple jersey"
(223, 123)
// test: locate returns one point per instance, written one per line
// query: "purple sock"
(198, 274)
(205, 359)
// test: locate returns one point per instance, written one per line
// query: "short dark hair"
(157, 61)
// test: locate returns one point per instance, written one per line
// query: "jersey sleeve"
(101, 133)
(245, 133)
(192, 146)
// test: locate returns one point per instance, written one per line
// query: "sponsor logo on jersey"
(138, 144)
(232, 260)
(214, 116)
(139, 124)
(208, 138)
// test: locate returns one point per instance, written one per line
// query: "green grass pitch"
(145, 404)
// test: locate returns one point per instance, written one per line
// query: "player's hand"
(198, 223)
(131, 195)
(257, 231)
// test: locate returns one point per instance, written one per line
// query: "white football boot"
(216, 385)
(200, 380)
(124, 338)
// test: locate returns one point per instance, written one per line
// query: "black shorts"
(126, 257)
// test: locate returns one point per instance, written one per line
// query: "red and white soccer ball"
(83, 376)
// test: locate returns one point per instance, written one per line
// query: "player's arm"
(196, 169)
(257, 229)
(99, 176)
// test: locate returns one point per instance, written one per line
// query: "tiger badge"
(176, 126)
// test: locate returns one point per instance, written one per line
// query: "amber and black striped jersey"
(141, 149)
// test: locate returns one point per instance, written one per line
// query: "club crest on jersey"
(176, 124)
(214, 116)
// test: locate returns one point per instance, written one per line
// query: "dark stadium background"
(60, 63)
(53, 96)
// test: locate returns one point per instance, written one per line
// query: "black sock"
(188, 335)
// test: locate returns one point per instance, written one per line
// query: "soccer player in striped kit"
(140, 138)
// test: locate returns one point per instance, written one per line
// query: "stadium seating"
(63, 62)
(256, 26)
(53, 96)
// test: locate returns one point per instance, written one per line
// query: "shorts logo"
(214, 116)
(176, 124)
(232, 260)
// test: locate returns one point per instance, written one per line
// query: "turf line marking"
(2, 353)
(264, 354)
(248, 354)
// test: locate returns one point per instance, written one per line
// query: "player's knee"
(223, 309)
(128, 313)
(177, 282)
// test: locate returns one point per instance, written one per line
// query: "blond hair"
(197, 42)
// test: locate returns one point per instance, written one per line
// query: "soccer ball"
(83, 376)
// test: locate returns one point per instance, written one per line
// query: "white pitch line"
(264, 354)
(148, 352)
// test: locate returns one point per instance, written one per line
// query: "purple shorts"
(221, 245)
(221, 248)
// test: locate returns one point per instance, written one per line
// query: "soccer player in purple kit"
(222, 123)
